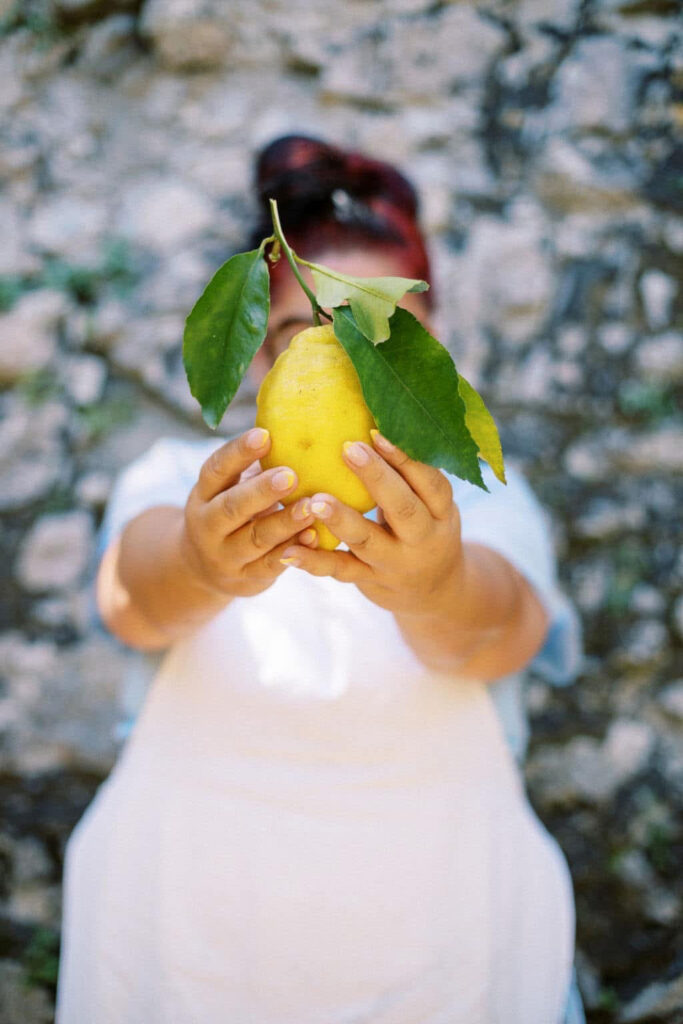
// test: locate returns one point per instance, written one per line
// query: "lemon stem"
(317, 311)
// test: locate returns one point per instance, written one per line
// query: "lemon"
(311, 402)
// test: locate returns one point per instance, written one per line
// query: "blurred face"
(290, 310)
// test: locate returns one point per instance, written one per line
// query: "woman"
(316, 817)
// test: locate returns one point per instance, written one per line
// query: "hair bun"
(303, 174)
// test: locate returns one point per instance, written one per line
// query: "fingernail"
(356, 453)
(283, 479)
(256, 438)
(302, 509)
(294, 562)
(382, 442)
(321, 509)
(308, 536)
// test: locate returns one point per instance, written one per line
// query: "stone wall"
(542, 137)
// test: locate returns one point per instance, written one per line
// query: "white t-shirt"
(306, 826)
(508, 519)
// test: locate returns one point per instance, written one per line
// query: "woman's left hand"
(407, 564)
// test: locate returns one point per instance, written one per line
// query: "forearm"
(148, 593)
(486, 622)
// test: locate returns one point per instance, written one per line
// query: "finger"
(340, 565)
(270, 565)
(429, 483)
(223, 467)
(231, 509)
(404, 511)
(253, 540)
(365, 539)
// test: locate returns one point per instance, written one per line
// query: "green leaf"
(410, 385)
(224, 330)
(482, 427)
(372, 299)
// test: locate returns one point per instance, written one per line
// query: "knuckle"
(214, 465)
(257, 535)
(228, 507)
(406, 509)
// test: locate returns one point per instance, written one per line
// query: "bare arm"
(460, 607)
(172, 569)
(487, 624)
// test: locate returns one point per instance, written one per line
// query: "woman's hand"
(234, 535)
(409, 563)
(461, 608)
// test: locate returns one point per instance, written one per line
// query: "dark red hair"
(334, 199)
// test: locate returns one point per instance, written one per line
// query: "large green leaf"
(410, 384)
(372, 299)
(224, 330)
(482, 427)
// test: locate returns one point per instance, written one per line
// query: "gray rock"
(186, 36)
(70, 226)
(569, 182)
(415, 60)
(648, 641)
(658, 292)
(19, 1001)
(163, 214)
(615, 337)
(660, 359)
(55, 552)
(595, 88)
(73, 610)
(31, 450)
(109, 47)
(606, 518)
(505, 281)
(588, 770)
(678, 615)
(84, 378)
(94, 489)
(654, 1003)
(30, 860)
(647, 600)
(671, 699)
(658, 452)
(68, 703)
(28, 334)
(196, 37)
(15, 258)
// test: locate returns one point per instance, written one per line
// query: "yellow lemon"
(311, 402)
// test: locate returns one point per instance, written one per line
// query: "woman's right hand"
(234, 534)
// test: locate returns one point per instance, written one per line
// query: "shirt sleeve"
(164, 475)
(510, 520)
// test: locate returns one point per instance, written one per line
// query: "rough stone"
(163, 214)
(647, 600)
(658, 291)
(660, 451)
(569, 182)
(84, 378)
(605, 518)
(69, 226)
(109, 47)
(655, 1003)
(586, 769)
(20, 1002)
(415, 60)
(506, 277)
(594, 88)
(647, 642)
(28, 334)
(31, 450)
(660, 359)
(14, 256)
(56, 551)
(678, 616)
